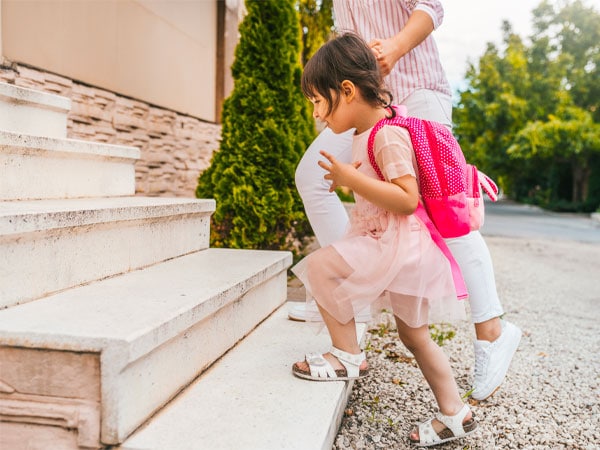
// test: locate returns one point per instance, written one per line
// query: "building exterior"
(147, 73)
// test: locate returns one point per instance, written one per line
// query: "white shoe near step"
(303, 312)
(492, 360)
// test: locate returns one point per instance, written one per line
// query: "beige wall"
(160, 51)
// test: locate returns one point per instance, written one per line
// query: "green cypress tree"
(266, 127)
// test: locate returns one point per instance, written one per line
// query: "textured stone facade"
(175, 148)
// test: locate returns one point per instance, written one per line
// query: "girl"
(387, 251)
(399, 33)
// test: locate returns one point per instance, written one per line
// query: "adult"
(399, 33)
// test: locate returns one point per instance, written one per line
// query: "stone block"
(250, 400)
(35, 167)
(53, 400)
(29, 111)
(64, 243)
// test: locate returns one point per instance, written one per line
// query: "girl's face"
(339, 119)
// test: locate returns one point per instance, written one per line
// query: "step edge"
(27, 144)
(19, 220)
(39, 99)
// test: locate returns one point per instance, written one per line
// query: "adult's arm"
(425, 17)
(389, 51)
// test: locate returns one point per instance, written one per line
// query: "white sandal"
(321, 369)
(455, 429)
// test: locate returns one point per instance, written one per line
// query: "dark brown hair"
(346, 57)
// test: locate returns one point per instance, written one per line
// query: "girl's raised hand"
(340, 174)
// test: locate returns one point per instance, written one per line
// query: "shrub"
(266, 127)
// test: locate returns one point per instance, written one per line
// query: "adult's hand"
(387, 54)
(389, 51)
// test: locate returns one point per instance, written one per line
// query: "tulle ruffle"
(392, 261)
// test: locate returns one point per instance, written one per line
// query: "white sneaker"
(492, 360)
(301, 312)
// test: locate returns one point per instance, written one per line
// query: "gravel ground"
(551, 396)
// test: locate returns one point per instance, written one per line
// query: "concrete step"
(37, 167)
(28, 111)
(84, 368)
(250, 400)
(51, 245)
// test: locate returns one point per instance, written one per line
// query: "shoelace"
(481, 363)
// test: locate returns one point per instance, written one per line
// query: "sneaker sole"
(297, 319)
(364, 319)
(475, 401)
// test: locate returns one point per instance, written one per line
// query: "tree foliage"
(266, 127)
(529, 115)
(316, 20)
(571, 141)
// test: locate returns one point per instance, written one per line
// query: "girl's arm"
(400, 196)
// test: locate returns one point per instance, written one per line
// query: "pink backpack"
(451, 189)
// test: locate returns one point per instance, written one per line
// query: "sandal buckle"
(315, 359)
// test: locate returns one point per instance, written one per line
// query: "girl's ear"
(348, 90)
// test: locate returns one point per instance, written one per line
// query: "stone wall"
(175, 148)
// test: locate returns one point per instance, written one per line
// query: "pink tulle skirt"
(400, 268)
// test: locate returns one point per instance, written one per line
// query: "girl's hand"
(338, 173)
(386, 52)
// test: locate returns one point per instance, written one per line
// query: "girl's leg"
(436, 369)
(434, 364)
(343, 335)
(325, 268)
(325, 211)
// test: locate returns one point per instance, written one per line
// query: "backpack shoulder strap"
(459, 282)
(421, 213)
(488, 186)
(397, 121)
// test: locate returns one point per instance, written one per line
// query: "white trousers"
(329, 219)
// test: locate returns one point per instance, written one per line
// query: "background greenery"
(530, 114)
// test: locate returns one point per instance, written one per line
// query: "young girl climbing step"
(387, 253)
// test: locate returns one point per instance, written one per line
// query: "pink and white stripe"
(420, 68)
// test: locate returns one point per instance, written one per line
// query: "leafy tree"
(571, 141)
(494, 107)
(529, 115)
(575, 30)
(266, 126)
(316, 20)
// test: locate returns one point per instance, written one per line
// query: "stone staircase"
(119, 327)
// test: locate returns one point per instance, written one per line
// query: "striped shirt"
(420, 68)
